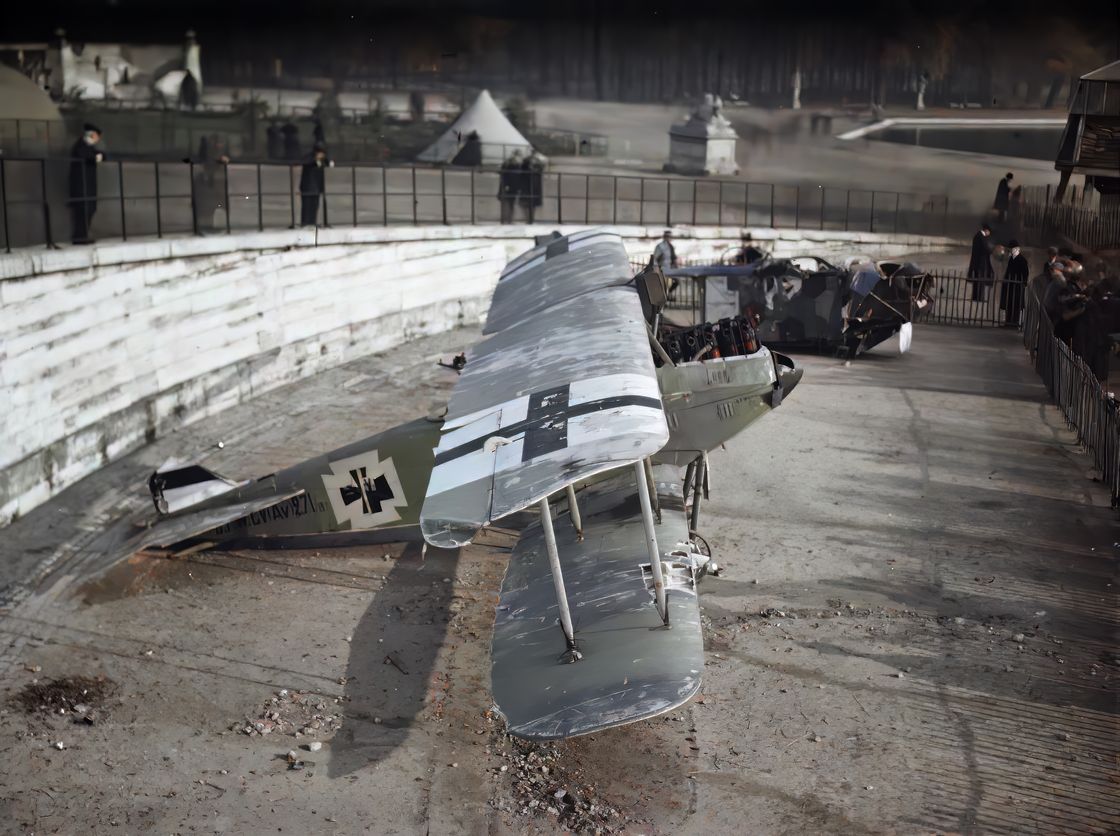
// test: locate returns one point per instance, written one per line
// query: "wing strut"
(651, 541)
(573, 512)
(652, 488)
(573, 655)
(700, 476)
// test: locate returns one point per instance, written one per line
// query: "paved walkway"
(938, 654)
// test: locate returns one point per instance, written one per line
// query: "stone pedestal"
(705, 144)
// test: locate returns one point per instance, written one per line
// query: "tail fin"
(177, 486)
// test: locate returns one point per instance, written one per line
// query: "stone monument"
(705, 144)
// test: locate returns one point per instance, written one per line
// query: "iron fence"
(142, 198)
(1089, 410)
(957, 299)
(1094, 229)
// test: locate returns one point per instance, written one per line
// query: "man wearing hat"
(1003, 196)
(1014, 283)
(84, 157)
(313, 184)
(665, 254)
(980, 263)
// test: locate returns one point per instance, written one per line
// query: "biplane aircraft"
(572, 407)
(806, 302)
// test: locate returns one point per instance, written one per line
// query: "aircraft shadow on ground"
(393, 651)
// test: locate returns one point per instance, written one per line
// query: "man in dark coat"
(291, 141)
(84, 157)
(532, 182)
(1003, 196)
(211, 183)
(313, 185)
(509, 186)
(275, 142)
(1014, 284)
(188, 92)
(980, 264)
(471, 152)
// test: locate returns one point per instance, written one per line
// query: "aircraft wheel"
(700, 543)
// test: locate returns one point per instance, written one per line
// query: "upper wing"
(566, 393)
(565, 268)
(556, 246)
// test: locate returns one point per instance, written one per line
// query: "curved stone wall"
(106, 347)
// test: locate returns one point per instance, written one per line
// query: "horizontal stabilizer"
(171, 530)
(633, 668)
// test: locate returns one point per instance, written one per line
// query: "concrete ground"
(914, 632)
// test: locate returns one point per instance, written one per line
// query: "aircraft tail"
(176, 486)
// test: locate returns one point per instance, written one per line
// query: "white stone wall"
(103, 348)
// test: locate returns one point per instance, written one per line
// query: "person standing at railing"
(1051, 261)
(291, 141)
(532, 181)
(188, 92)
(1014, 283)
(210, 185)
(1003, 197)
(665, 254)
(84, 158)
(471, 152)
(313, 185)
(1091, 338)
(980, 264)
(509, 185)
(1041, 282)
(275, 143)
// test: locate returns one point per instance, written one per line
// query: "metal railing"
(1094, 229)
(956, 299)
(960, 300)
(141, 198)
(1089, 410)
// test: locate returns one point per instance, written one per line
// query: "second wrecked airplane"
(572, 407)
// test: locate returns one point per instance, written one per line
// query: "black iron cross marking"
(545, 427)
(546, 423)
(371, 492)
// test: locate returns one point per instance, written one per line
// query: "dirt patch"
(77, 695)
(546, 785)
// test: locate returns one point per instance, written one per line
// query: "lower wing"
(632, 666)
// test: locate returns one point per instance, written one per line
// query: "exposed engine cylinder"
(730, 337)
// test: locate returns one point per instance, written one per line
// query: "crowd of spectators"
(1083, 305)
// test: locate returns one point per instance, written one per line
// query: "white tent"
(497, 136)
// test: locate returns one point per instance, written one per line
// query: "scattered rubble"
(546, 784)
(297, 713)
